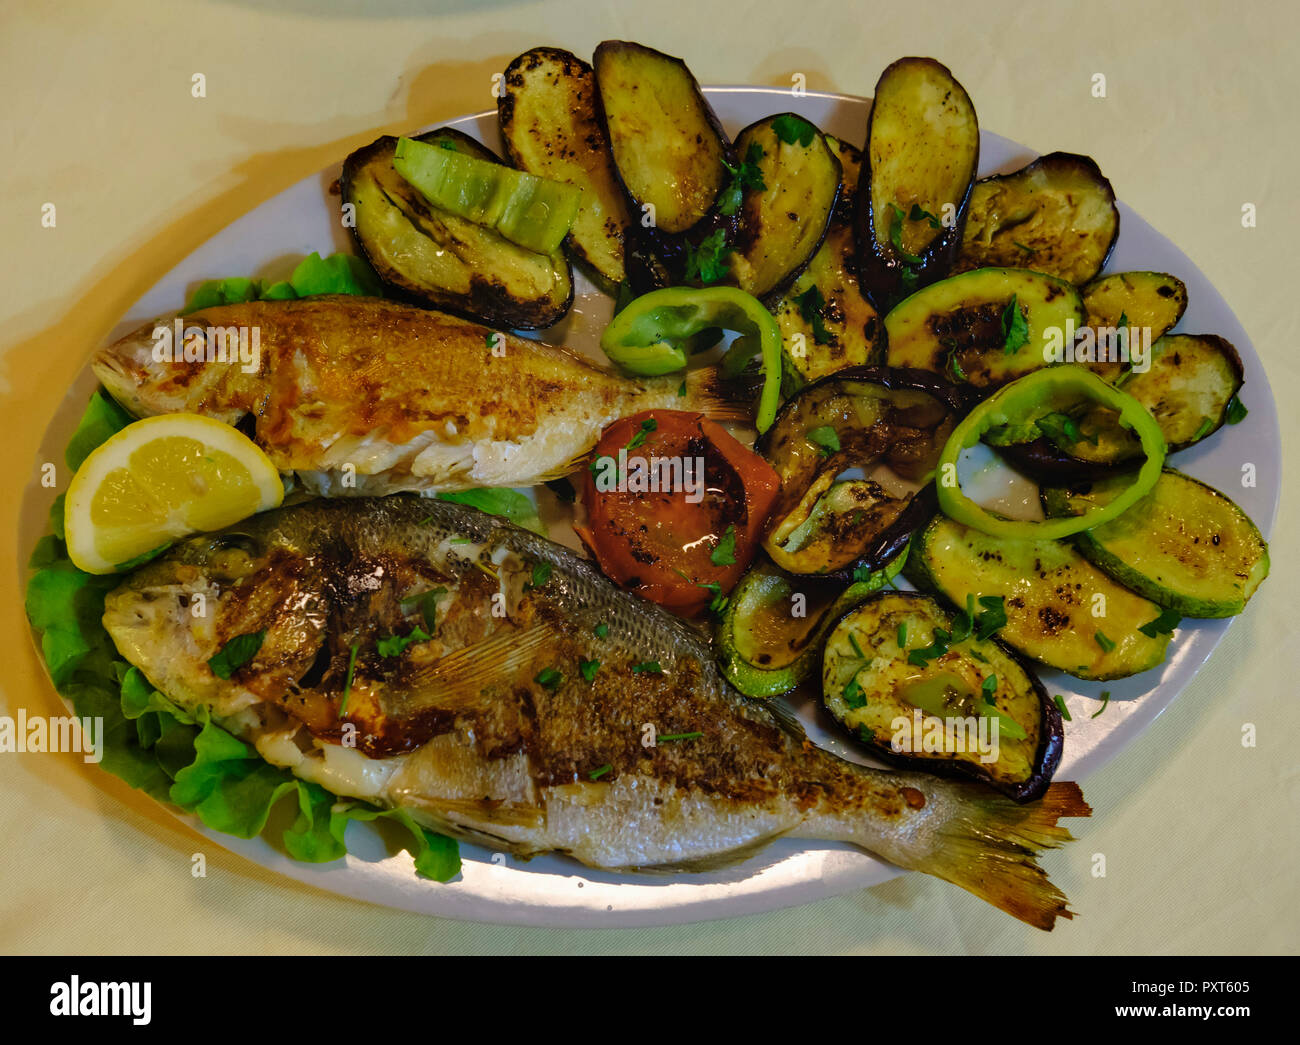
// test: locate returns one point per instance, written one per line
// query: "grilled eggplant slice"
(1189, 388)
(959, 326)
(768, 636)
(977, 690)
(1057, 215)
(1050, 593)
(922, 153)
(1143, 304)
(547, 113)
(826, 321)
(669, 149)
(784, 222)
(436, 259)
(1185, 545)
(858, 418)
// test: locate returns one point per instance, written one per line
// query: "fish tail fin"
(717, 397)
(989, 848)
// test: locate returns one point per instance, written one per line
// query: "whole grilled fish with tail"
(427, 656)
(365, 396)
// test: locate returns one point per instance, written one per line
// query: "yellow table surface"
(1199, 833)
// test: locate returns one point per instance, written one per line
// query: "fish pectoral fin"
(460, 680)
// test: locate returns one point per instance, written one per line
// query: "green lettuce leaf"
(150, 742)
(509, 504)
(337, 274)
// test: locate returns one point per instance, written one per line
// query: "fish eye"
(232, 556)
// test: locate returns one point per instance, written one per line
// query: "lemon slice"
(160, 479)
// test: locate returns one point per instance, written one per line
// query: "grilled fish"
(366, 396)
(535, 707)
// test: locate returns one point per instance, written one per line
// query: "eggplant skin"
(668, 146)
(802, 474)
(1055, 215)
(1051, 729)
(907, 161)
(547, 115)
(466, 269)
(783, 224)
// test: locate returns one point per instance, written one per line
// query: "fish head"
(150, 372)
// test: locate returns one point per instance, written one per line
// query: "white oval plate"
(555, 891)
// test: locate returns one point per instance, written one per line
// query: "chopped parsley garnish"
(993, 616)
(746, 176)
(1105, 702)
(825, 438)
(987, 687)
(811, 304)
(957, 370)
(1206, 424)
(461, 540)
(664, 737)
(1063, 428)
(1123, 320)
(395, 645)
(236, 653)
(347, 682)
(549, 677)
(937, 648)
(853, 695)
(596, 774)
(427, 602)
(1027, 250)
(902, 635)
(725, 552)
(919, 213)
(447, 144)
(1060, 706)
(708, 261)
(588, 669)
(541, 574)
(1236, 412)
(1015, 328)
(853, 641)
(896, 235)
(647, 667)
(1162, 625)
(647, 426)
(979, 656)
(790, 129)
(600, 630)
(1106, 644)
(681, 390)
(488, 340)
(563, 489)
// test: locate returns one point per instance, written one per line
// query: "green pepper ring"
(1056, 385)
(647, 336)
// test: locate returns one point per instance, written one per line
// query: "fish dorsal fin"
(459, 680)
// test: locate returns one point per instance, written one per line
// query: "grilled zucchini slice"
(768, 636)
(922, 152)
(1056, 215)
(1185, 545)
(958, 326)
(669, 149)
(436, 259)
(547, 114)
(1189, 388)
(783, 223)
(1050, 593)
(1145, 304)
(826, 321)
(858, 418)
(875, 688)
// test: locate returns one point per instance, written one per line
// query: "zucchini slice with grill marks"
(911, 681)
(1050, 593)
(857, 418)
(1056, 215)
(960, 326)
(1185, 545)
(826, 321)
(768, 636)
(784, 222)
(669, 149)
(1188, 389)
(436, 259)
(922, 153)
(547, 114)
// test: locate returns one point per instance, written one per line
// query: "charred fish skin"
(367, 396)
(543, 709)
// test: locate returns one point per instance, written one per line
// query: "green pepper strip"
(649, 336)
(1042, 392)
